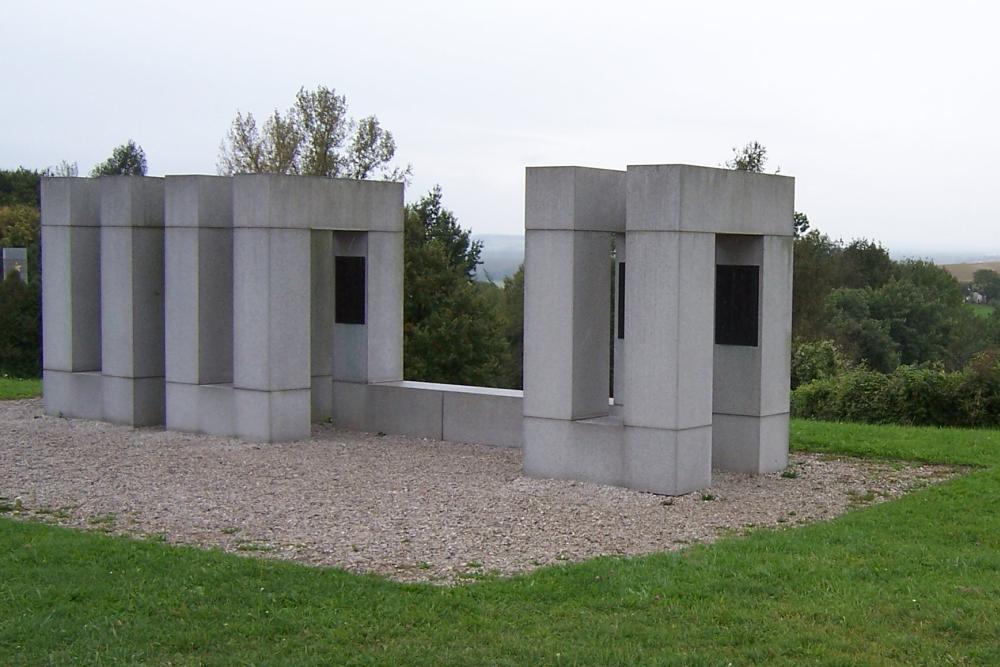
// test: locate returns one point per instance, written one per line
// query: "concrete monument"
(252, 305)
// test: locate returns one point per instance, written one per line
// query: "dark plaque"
(621, 300)
(350, 290)
(737, 304)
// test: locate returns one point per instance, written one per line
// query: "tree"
(453, 327)
(863, 337)
(987, 283)
(801, 221)
(126, 160)
(752, 157)
(315, 137)
(815, 272)
(865, 263)
(63, 170)
(19, 226)
(20, 186)
(513, 308)
(20, 329)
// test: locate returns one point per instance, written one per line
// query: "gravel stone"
(406, 508)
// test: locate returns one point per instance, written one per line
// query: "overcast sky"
(886, 113)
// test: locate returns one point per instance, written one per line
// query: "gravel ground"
(406, 508)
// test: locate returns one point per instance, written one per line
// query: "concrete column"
(322, 325)
(668, 368)
(570, 216)
(199, 304)
(71, 297)
(385, 306)
(751, 382)
(272, 248)
(132, 299)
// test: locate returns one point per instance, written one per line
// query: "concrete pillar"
(71, 297)
(272, 248)
(570, 215)
(674, 215)
(199, 304)
(132, 300)
(321, 324)
(751, 381)
(668, 368)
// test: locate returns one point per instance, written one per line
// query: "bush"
(862, 396)
(20, 329)
(923, 396)
(816, 400)
(816, 360)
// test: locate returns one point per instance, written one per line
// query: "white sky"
(887, 113)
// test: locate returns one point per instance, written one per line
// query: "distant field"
(963, 272)
(981, 310)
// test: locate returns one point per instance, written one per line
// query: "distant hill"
(502, 255)
(963, 272)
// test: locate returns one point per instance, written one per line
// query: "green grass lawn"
(912, 581)
(19, 388)
(981, 310)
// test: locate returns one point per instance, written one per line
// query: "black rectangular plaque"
(350, 290)
(737, 304)
(621, 300)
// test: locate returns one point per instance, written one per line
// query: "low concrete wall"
(428, 410)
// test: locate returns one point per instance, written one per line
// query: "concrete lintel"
(198, 201)
(314, 202)
(677, 197)
(131, 201)
(574, 199)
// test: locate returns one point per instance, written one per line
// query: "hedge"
(909, 395)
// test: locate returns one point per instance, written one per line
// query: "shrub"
(862, 396)
(816, 360)
(924, 396)
(815, 400)
(20, 329)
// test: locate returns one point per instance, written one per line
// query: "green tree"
(315, 137)
(864, 338)
(752, 157)
(20, 328)
(20, 186)
(815, 272)
(865, 263)
(453, 327)
(513, 308)
(19, 225)
(126, 160)
(987, 283)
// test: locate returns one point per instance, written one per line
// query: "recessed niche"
(350, 290)
(621, 300)
(737, 305)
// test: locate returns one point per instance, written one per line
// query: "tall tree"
(314, 137)
(127, 160)
(865, 263)
(453, 328)
(513, 305)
